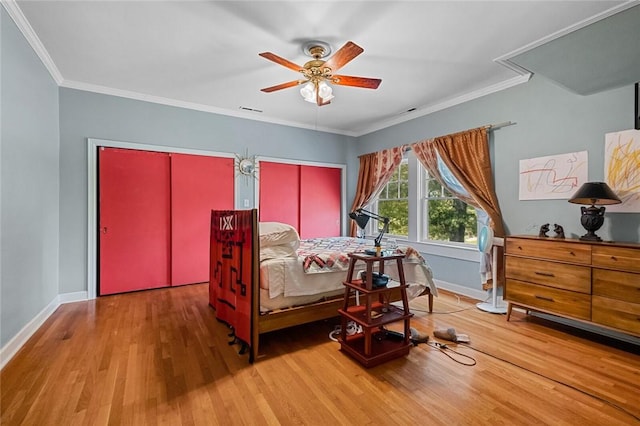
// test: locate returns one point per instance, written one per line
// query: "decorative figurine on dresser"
(558, 230)
(543, 231)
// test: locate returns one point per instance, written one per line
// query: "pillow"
(277, 233)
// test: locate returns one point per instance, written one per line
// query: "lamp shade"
(360, 219)
(595, 193)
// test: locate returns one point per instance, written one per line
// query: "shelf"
(369, 257)
(374, 345)
(358, 314)
(359, 286)
(383, 349)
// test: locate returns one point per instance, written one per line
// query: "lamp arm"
(373, 215)
(383, 219)
(385, 228)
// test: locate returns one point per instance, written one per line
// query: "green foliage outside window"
(452, 220)
(393, 201)
(446, 218)
(398, 213)
(449, 219)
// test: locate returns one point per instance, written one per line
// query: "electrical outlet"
(246, 202)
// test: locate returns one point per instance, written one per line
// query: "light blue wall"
(44, 163)
(550, 120)
(29, 167)
(89, 115)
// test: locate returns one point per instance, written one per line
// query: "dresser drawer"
(550, 249)
(558, 275)
(617, 314)
(547, 299)
(624, 258)
(617, 285)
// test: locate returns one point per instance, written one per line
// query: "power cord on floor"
(352, 328)
(445, 349)
(599, 398)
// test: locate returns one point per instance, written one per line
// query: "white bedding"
(287, 284)
(286, 277)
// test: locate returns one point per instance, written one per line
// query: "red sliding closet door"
(198, 185)
(280, 193)
(320, 199)
(134, 220)
(304, 196)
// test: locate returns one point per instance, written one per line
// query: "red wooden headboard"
(233, 272)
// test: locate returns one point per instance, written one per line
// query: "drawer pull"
(572, 253)
(544, 274)
(614, 258)
(548, 299)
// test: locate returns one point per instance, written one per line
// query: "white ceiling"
(204, 55)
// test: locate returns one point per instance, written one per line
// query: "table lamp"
(595, 194)
(361, 217)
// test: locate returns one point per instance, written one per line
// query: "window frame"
(417, 209)
(374, 225)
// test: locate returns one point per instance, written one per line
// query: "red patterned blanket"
(331, 254)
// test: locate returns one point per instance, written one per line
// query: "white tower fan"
(486, 242)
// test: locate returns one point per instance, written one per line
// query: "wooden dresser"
(593, 282)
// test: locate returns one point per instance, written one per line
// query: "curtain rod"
(489, 127)
(499, 125)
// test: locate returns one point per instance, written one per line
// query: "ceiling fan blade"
(282, 86)
(365, 82)
(282, 61)
(346, 53)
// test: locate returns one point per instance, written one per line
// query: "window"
(446, 217)
(393, 201)
(420, 209)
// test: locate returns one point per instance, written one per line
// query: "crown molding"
(430, 109)
(523, 76)
(505, 60)
(190, 105)
(12, 8)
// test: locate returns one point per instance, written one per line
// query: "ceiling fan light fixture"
(319, 72)
(325, 90)
(308, 92)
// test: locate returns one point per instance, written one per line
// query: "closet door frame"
(92, 194)
(343, 183)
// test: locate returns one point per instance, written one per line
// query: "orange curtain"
(375, 171)
(466, 154)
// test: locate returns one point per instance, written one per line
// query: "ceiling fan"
(318, 72)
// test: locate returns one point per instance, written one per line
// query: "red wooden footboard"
(233, 272)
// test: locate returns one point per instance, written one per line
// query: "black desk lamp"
(594, 193)
(362, 216)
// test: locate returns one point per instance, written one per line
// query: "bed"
(264, 278)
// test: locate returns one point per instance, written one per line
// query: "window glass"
(439, 215)
(446, 217)
(393, 201)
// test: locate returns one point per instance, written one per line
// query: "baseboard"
(13, 346)
(462, 290)
(77, 296)
(592, 328)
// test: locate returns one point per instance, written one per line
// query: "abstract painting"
(622, 169)
(553, 177)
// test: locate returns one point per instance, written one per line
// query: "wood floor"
(160, 357)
